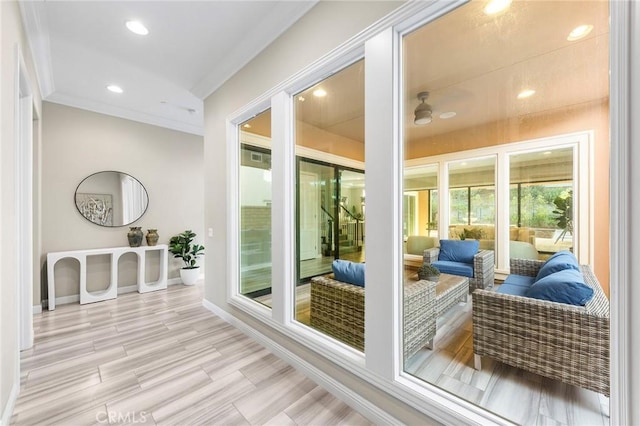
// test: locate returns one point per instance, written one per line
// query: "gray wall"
(325, 27)
(77, 143)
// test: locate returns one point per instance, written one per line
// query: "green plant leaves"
(180, 246)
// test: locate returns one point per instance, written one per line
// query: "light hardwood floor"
(523, 398)
(161, 358)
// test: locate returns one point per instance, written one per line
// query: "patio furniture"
(479, 268)
(415, 247)
(556, 340)
(337, 309)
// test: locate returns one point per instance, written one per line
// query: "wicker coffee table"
(450, 290)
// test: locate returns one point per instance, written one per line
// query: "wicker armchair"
(337, 309)
(483, 267)
(555, 340)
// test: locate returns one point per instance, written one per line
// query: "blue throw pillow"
(565, 286)
(348, 272)
(458, 250)
(558, 262)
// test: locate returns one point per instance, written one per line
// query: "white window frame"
(383, 366)
(582, 144)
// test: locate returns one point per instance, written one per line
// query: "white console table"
(112, 291)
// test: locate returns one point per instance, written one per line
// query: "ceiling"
(475, 65)
(192, 48)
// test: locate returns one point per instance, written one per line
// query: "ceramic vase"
(135, 236)
(152, 237)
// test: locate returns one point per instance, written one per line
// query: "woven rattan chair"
(483, 267)
(337, 309)
(555, 340)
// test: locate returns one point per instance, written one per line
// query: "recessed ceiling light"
(446, 115)
(320, 93)
(526, 93)
(137, 27)
(247, 126)
(496, 6)
(546, 153)
(579, 32)
(115, 89)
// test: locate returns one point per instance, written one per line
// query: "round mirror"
(111, 198)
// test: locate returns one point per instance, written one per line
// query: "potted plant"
(182, 247)
(564, 214)
(428, 272)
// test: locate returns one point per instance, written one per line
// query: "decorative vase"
(135, 236)
(189, 276)
(152, 237)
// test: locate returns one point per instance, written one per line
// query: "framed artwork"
(98, 208)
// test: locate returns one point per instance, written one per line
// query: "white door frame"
(23, 174)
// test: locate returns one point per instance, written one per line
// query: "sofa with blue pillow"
(558, 280)
(463, 258)
(548, 317)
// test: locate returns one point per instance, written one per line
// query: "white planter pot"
(189, 276)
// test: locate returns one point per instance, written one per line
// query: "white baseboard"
(121, 290)
(174, 281)
(11, 402)
(127, 289)
(37, 309)
(337, 389)
(67, 299)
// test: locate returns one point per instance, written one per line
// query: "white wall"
(77, 143)
(12, 37)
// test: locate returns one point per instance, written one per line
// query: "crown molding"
(244, 52)
(127, 114)
(36, 27)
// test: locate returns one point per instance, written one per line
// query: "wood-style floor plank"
(161, 359)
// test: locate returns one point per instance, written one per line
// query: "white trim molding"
(625, 212)
(36, 26)
(11, 402)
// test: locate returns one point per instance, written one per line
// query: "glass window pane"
(477, 86)
(472, 201)
(330, 204)
(541, 203)
(255, 208)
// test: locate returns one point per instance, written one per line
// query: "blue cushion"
(458, 250)
(348, 272)
(565, 286)
(454, 268)
(519, 280)
(515, 290)
(558, 262)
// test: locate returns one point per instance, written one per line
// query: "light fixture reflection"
(526, 93)
(115, 89)
(137, 27)
(496, 6)
(320, 93)
(580, 32)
